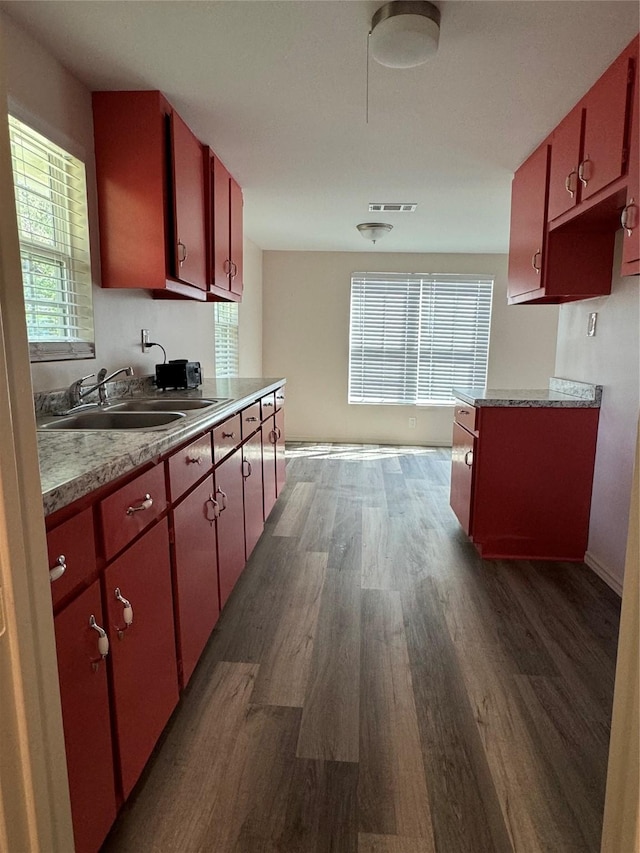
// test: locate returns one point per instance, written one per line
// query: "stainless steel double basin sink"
(145, 413)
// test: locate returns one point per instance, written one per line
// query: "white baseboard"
(382, 441)
(604, 573)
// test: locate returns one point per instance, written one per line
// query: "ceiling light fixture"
(374, 230)
(404, 33)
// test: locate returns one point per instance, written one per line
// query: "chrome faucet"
(77, 392)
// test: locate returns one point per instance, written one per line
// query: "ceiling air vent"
(392, 207)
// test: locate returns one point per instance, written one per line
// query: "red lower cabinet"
(143, 654)
(269, 437)
(196, 574)
(87, 724)
(252, 490)
(521, 488)
(281, 471)
(462, 475)
(231, 554)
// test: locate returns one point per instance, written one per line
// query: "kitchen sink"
(169, 404)
(118, 420)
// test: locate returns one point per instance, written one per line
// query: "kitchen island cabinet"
(522, 475)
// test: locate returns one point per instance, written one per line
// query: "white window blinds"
(51, 207)
(226, 335)
(415, 337)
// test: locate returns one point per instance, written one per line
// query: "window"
(51, 207)
(226, 320)
(415, 337)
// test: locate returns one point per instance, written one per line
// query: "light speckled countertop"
(561, 393)
(74, 463)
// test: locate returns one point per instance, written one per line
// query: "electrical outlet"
(144, 339)
(412, 423)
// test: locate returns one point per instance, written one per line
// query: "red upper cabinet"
(148, 196)
(189, 261)
(528, 224)
(225, 231)
(564, 181)
(605, 150)
(630, 218)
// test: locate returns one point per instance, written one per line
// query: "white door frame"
(34, 799)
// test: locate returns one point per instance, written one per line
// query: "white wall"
(250, 312)
(306, 338)
(46, 95)
(611, 359)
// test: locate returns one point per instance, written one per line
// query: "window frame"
(68, 246)
(230, 328)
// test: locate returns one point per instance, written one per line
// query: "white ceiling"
(278, 89)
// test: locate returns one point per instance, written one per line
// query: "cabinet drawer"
(128, 511)
(465, 415)
(188, 465)
(72, 555)
(226, 437)
(280, 396)
(267, 406)
(250, 419)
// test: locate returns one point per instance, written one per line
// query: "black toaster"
(179, 373)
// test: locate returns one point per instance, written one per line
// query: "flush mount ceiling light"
(374, 230)
(404, 33)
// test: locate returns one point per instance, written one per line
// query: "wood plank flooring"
(373, 686)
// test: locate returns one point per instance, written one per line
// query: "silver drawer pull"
(103, 640)
(267, 405)
(248, 469)
(224, 498)
(194, 460)
(250, 420)
(147, 503)
(464, 412)
(228, 435)
(59, 569)
(216, 509)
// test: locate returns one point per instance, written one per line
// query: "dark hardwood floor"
(373, 686)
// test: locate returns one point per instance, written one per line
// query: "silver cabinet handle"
(194, 460)
(630, 208)
(569, 184)
(147, 503)
(251, 420)
(468, 458)
(273, 437)
(226, 267)
(224, 499)
(103, 640)
(533, 261)
(127, 613)
(279, 431)
(584, 179)
(248, 464)
(267, 405)
(216, 509)
(463, 411)
(185, 254)
(228, 435)
(59, 569)
(234, 269)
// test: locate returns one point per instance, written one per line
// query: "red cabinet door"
(220, 207)
(269, 442)
(86, 719)
(462, 475)
(252, 488)
(564, 184)
(231, 554)
(235, 236)
(281, 465)
(528, 223)
(631, 212)
(72, 556)
(604, 135)
(143, 655)
(188, 179)
(195, 574)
